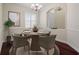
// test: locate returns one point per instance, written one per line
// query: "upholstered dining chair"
(20, 41)
(47, 42)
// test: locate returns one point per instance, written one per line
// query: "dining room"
(36, 29)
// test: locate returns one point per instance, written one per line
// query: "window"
(30, 20)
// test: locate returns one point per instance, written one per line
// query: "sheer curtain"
(30, 20)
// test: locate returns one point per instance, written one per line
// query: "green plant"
(9, 23)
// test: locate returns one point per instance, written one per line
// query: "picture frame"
(14, 17)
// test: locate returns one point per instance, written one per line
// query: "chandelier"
(36, 7)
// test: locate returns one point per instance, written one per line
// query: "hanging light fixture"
(36, 7)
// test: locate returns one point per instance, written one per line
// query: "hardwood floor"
(64, 49)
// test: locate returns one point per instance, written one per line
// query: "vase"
(35, 29)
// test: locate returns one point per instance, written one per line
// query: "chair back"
(47, 41)
(19, 41)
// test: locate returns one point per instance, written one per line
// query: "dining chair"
(47, 42)
(20, 41)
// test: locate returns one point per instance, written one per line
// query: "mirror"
(56, 18)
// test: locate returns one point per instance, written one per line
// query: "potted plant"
(8, 24)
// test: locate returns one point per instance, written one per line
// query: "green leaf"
(9, 23)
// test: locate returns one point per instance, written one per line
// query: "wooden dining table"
(35, 46)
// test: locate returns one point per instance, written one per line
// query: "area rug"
(21, 51)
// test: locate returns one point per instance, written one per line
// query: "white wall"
(1, 27)
(61, 34)
(73, 25)
(15, 8)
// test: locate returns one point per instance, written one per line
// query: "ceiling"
(29, 4)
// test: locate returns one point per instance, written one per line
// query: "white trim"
(62, 41)
(72, 29)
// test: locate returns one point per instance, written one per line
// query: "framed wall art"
(14, 17)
